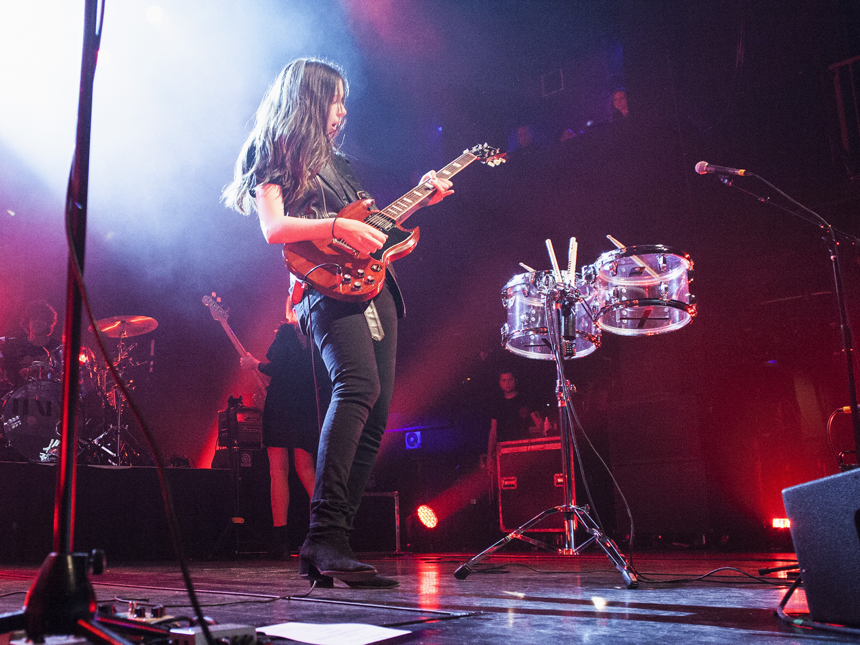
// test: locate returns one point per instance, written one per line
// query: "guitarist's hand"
(249, 362)
(360, 236)
(442, 186)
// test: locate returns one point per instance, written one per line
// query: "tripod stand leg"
(608, 545)
(465, 569)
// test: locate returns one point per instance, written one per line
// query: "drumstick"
(554, 261)
(635, 258)
(571, 260)
(527, 268)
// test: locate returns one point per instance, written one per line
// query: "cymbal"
(124, 326)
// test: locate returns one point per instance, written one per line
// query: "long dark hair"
(289, 143)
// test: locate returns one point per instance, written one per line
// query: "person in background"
(290, 422)
(619, 110)
(513, 416)
(31, 356)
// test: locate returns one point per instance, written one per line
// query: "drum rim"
(593, 339)
(686, 308)
(550, 357)
(645, 249)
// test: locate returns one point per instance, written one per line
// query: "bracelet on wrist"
(332, 225)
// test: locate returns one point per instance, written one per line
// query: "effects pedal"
(228, 633)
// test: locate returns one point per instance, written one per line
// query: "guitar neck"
(242, 353)
(406, 205)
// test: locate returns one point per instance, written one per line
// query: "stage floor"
(509, 598)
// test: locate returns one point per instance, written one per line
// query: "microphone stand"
(833, 248)
(62, 601)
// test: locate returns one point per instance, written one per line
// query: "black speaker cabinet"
(530, 482)
(824, 518)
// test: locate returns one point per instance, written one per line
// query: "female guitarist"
(291, 173)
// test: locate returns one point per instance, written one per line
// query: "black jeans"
(362, 375)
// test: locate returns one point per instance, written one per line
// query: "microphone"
(703, 168)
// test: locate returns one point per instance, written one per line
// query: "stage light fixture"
(781, 523)
(427, 516)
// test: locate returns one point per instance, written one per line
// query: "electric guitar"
(336, 269)
(220, 314)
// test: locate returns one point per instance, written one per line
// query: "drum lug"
(661, 262)
(664, 292)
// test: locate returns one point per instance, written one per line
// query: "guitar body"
(339, 271)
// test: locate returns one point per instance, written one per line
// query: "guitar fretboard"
(387, 218)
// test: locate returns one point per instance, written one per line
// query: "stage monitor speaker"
(530, 482)
(824, 518)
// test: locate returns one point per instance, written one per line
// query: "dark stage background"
(703, 427)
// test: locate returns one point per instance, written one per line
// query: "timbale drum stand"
(554, 299)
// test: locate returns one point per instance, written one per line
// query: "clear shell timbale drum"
(642, 290)
(525, 333)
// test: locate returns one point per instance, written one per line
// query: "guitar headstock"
(487, 155)
(218, 312)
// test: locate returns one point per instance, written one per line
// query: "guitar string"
(382, 220)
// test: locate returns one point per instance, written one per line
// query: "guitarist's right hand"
(360, 236)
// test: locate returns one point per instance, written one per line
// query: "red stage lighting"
(781, 523)
(427, 516)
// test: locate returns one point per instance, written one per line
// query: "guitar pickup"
(344, 246)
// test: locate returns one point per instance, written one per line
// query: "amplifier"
(530, 481)
(240, 427)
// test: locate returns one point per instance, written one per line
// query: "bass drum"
(87, 371)
(31, 418)
(526, 334)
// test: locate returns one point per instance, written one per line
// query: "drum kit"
(31, 414)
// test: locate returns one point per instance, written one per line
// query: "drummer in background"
(28, 357)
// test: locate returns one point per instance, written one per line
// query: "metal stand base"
(62, 602)
(589, 525)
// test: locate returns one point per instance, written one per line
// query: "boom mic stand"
(61, 601)
(833, 248)
(554, 297)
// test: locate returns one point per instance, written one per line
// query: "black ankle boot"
(331, 557)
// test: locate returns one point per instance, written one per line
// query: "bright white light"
(599, 603)
(41, 52)
(154, 14)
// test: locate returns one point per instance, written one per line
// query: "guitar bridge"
(344, 246)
